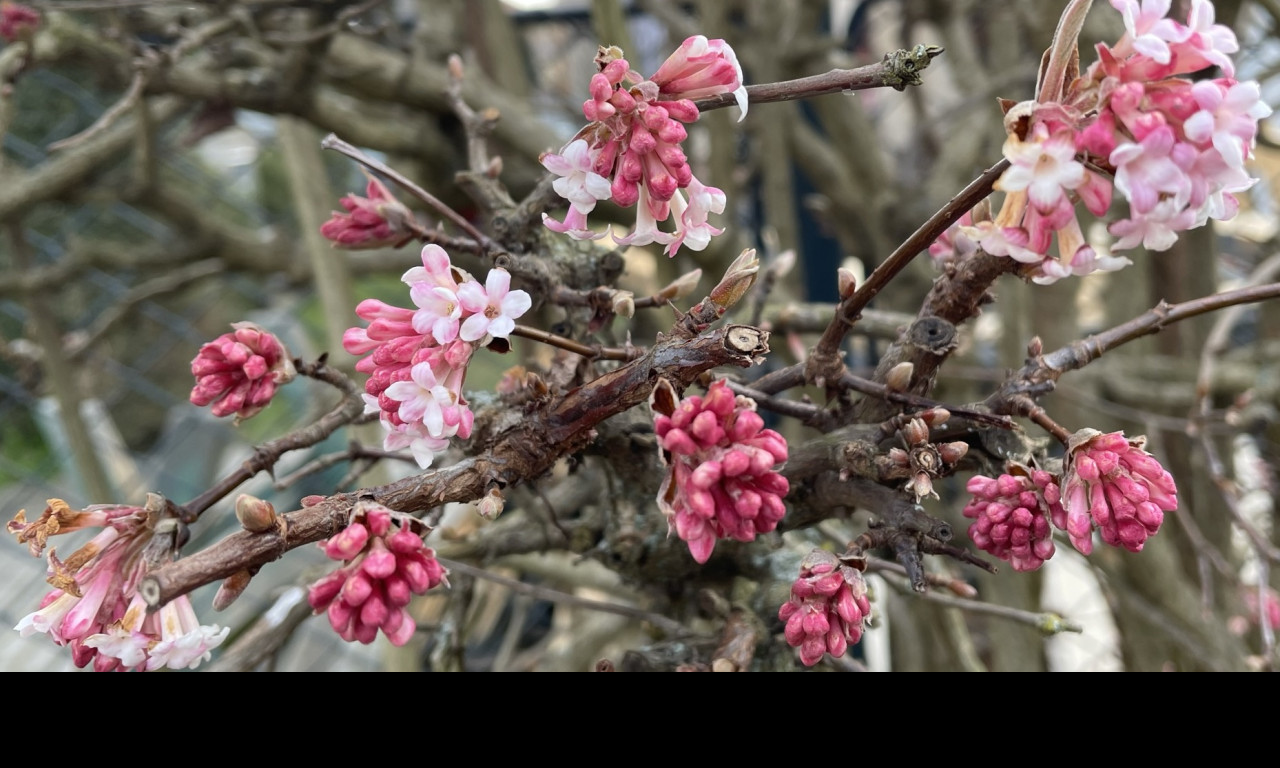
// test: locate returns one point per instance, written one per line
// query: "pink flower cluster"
(376, 221)
(384, 565)
(1112, 484)
(827, 608)
(630, 151)
(1173, 148)
(1011, 518)
(239, 372)
(1109, 484)
(95, 608)
(722, 482)
(17, 21)
(417, 358)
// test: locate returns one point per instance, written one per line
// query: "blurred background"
(162, 165)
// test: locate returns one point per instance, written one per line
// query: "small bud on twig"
(737, 280)
(846, 282)
(682, 286)
(899, 377)
(231, 588)
(256, 515)
(624, 303)
(491, 505)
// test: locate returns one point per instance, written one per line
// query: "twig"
(137, 85)
(338, 145)
(1215, 344)
(144, 68)
(848, 311)
(478, 125)
(807, 413)
(267, 635)
(955, 586)
(1048, 623)
(593, 352)
(166, 283)
(522, 451)
(353, 452)
(673, 628)
(896, 70)
(266, 455)
(1080, 353)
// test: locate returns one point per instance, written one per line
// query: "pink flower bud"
(737, 280)
(357, 588)
(254, 514)
(231, 368)
(379, 562)
(375, 221)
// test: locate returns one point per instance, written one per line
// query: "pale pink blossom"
(646, 228)
(493, 309)
(1227, 119)
(1148, 31)
(633, 144)
(1152, 170)
(1044, 166)
(1156, 231)
(827, 608)
(578, 182)
(700, 68)
(95, 609)
(574, 225)
(1174, 149)
(425, 400)
(184, 642)
(1211, 43)
(692, 229)
(433, 287)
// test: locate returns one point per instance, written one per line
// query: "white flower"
(578, 182)
(495, 306)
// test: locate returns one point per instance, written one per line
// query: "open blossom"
(417, 359)
(1111, 484)
(493, 308)
(722, 481)
(827, 608)
(631, 152)
(239, 372)
(385, 563)
(378, 220)
(95, 608)
(1012, 517)
(1174, 149)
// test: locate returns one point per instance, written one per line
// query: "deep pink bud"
(719, 486)
(232, 372)
(357, 588)
(348, 543)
